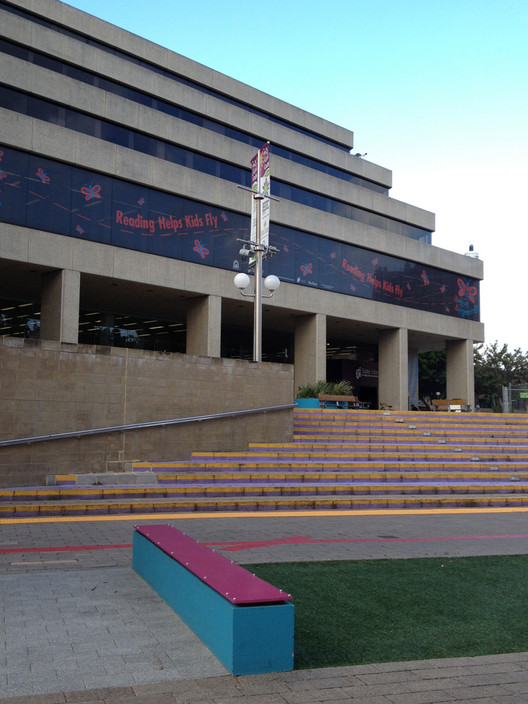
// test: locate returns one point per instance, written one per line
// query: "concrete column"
(414, 380)
(59, 306)
(204, 326)
(460, 375)
(393, 381)
(310, 349)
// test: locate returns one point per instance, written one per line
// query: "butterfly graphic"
(79, 230)
(141, 202)
(306, 269)
(91, 192)
(200, 248)
(464, 288)
(43, 176)
(425, 278)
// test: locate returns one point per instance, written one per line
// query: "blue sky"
(435, 90)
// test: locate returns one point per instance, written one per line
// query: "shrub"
(334, 388)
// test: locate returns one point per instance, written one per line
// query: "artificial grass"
(356, 612)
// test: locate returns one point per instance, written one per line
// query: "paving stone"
(519, 685)
(238, 698)
(381, 689)
(485, 690)
(102, 694)
(389, 677)
(264, 686)
(491, 678)
(431, 697)
(317, 695)
(324, 683)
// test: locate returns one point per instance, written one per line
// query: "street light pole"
(258, 247)
(257, 315)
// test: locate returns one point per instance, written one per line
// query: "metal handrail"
(137, 426)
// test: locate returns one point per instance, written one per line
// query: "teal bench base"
(247, 639)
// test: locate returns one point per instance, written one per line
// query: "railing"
(140, 426)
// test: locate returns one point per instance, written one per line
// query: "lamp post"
(258, 248)
(257, 251)
(271, 284)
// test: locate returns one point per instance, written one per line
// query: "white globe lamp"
(241, 281)
(272, 282)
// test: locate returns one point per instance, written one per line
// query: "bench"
(246, 622)
(338, 401)
(455, 405)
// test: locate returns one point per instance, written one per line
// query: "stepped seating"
(339, 459)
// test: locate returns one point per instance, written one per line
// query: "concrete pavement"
(81, 625)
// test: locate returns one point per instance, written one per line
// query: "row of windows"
(169, 74)
(22, 318)
(45, 194)
(71, 119)
(136, 96)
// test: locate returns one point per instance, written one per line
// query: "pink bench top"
(226, 577)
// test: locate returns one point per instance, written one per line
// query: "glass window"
(13, 186)
(144, 99)
(48, 195)
(134, 140)
(91, 206)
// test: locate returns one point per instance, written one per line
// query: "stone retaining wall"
(50, 387)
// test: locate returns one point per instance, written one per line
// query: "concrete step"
(373, 416)
(415, 442)
(286, 488)
(340, 477)
(209, 478)
(355, 432)
(278, 503)
(341, 464)
(455, 453)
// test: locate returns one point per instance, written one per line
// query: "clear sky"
(435, 90)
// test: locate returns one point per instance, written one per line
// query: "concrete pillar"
(310, 349)
(414, 380)
(59, 306)
(393, 381)
(460, 375)
(204, 326)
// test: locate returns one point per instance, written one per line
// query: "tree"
(496, 367)
(432, 374)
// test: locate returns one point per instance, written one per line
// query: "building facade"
(121, 218)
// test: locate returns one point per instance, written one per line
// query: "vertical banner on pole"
(265, 189)
(255, 188)
(261, 184)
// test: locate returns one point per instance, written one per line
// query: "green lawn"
(353, 612)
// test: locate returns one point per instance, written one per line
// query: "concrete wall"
(47, 387)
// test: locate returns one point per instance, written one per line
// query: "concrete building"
(119, 238)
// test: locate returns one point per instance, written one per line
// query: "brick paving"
(81, 626)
